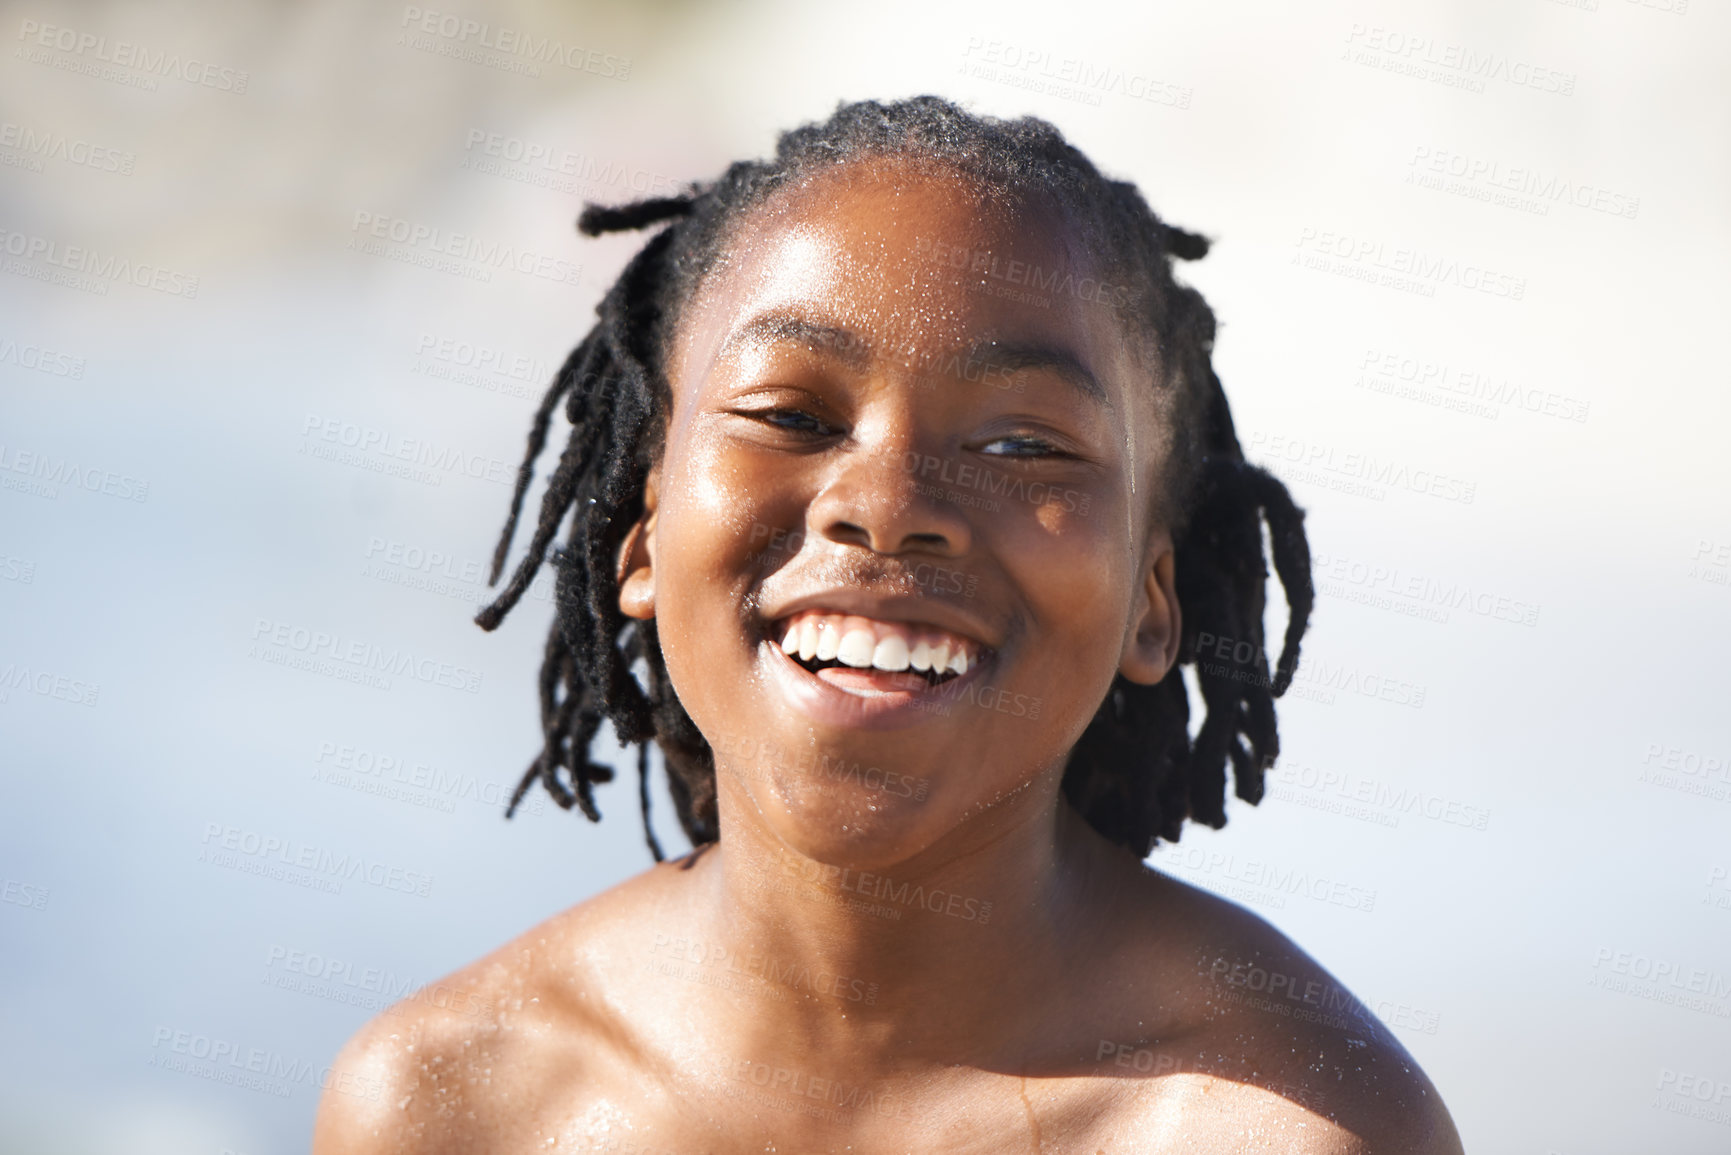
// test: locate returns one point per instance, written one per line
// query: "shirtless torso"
(613, 1027)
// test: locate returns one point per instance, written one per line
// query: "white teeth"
(857, 647)
(864, 644)
(891, 654)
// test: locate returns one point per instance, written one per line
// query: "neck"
(909, 963)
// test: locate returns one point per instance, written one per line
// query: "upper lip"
(913, 611)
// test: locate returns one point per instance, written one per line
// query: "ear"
(635, 567)
(1151, 647)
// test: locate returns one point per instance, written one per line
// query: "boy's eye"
(793, 420)
(1020, 445)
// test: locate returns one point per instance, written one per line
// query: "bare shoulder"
(1265, 1041)
(479, 1059)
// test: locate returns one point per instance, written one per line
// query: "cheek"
(720, 526)
(703, 540)
(710, 515)
(1071, 559)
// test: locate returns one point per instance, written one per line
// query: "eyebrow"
(785, 327)
(1010, 357)
(848, 346)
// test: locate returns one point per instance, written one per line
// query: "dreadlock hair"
(1135, 774)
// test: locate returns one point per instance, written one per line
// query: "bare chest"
(733, 1106)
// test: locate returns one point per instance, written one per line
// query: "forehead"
(913, 257)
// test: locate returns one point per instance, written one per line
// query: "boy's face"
(906, 426)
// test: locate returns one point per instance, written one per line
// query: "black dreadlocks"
(1135, 774)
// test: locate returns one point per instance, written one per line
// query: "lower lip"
(860, 707)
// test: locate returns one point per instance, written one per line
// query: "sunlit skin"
(752, 997)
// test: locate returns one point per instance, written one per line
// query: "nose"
(888, 496)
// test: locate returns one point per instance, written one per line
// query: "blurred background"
(281, 283)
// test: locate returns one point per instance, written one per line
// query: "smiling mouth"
(861, 649)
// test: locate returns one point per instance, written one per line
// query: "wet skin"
(905, 940)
